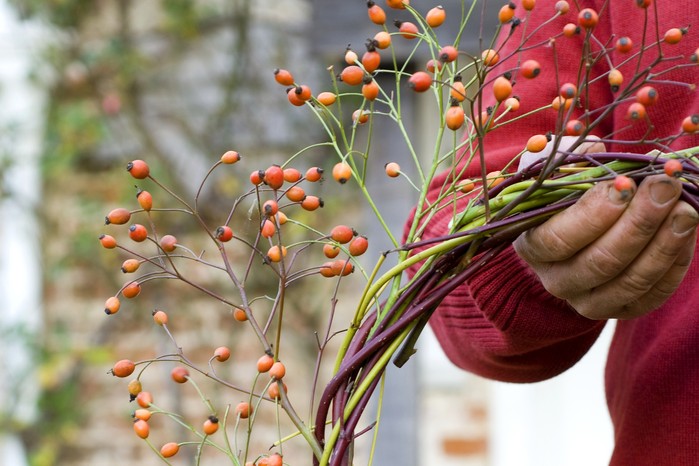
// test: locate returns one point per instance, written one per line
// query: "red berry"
(277, 371)
(623, 184)
(376, 14)
(568, 91)
(673, 167)
(130, 265)
(160, 317)
(118, 216)
(352, 75)
(283, 77)
(647, 95)
(407, 29)
(314, 174)
(107, 241)
(168, 243)
(138, 232)
(257, 177)
(420, 81)
(270, 207)
(112, 305)
(222, 353)
(574, 128)
(145, 200)
(210, 425)
(435, 17)
(138, 169)
(274, 177)
(624, 45)
(123, 368)
(144, 399)
(530, 69)
(448, 54)
(392, 169)
(342, 234)
(636, 111)
(371, 60)
(264, 364)
(230, 157)
(179, 374)
(169, 449)
(690, 124)
(358, 246)
(141, 428)
(588, 18)
(244, 410)
(224, 233)
(131, 290)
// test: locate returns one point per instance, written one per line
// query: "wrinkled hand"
(614, 257)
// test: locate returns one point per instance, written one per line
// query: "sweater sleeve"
(501, 323)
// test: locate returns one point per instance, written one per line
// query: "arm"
(523, 321)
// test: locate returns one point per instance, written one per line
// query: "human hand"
(614, 256)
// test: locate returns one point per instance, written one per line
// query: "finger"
(618, 247)
(652, 277)
(570, 231)
(592, 145)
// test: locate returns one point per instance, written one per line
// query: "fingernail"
(684, 223)
(662, 191)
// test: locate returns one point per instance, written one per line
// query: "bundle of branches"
(479, 233)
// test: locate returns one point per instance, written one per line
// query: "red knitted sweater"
(503, 325)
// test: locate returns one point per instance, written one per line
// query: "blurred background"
(85, 87)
